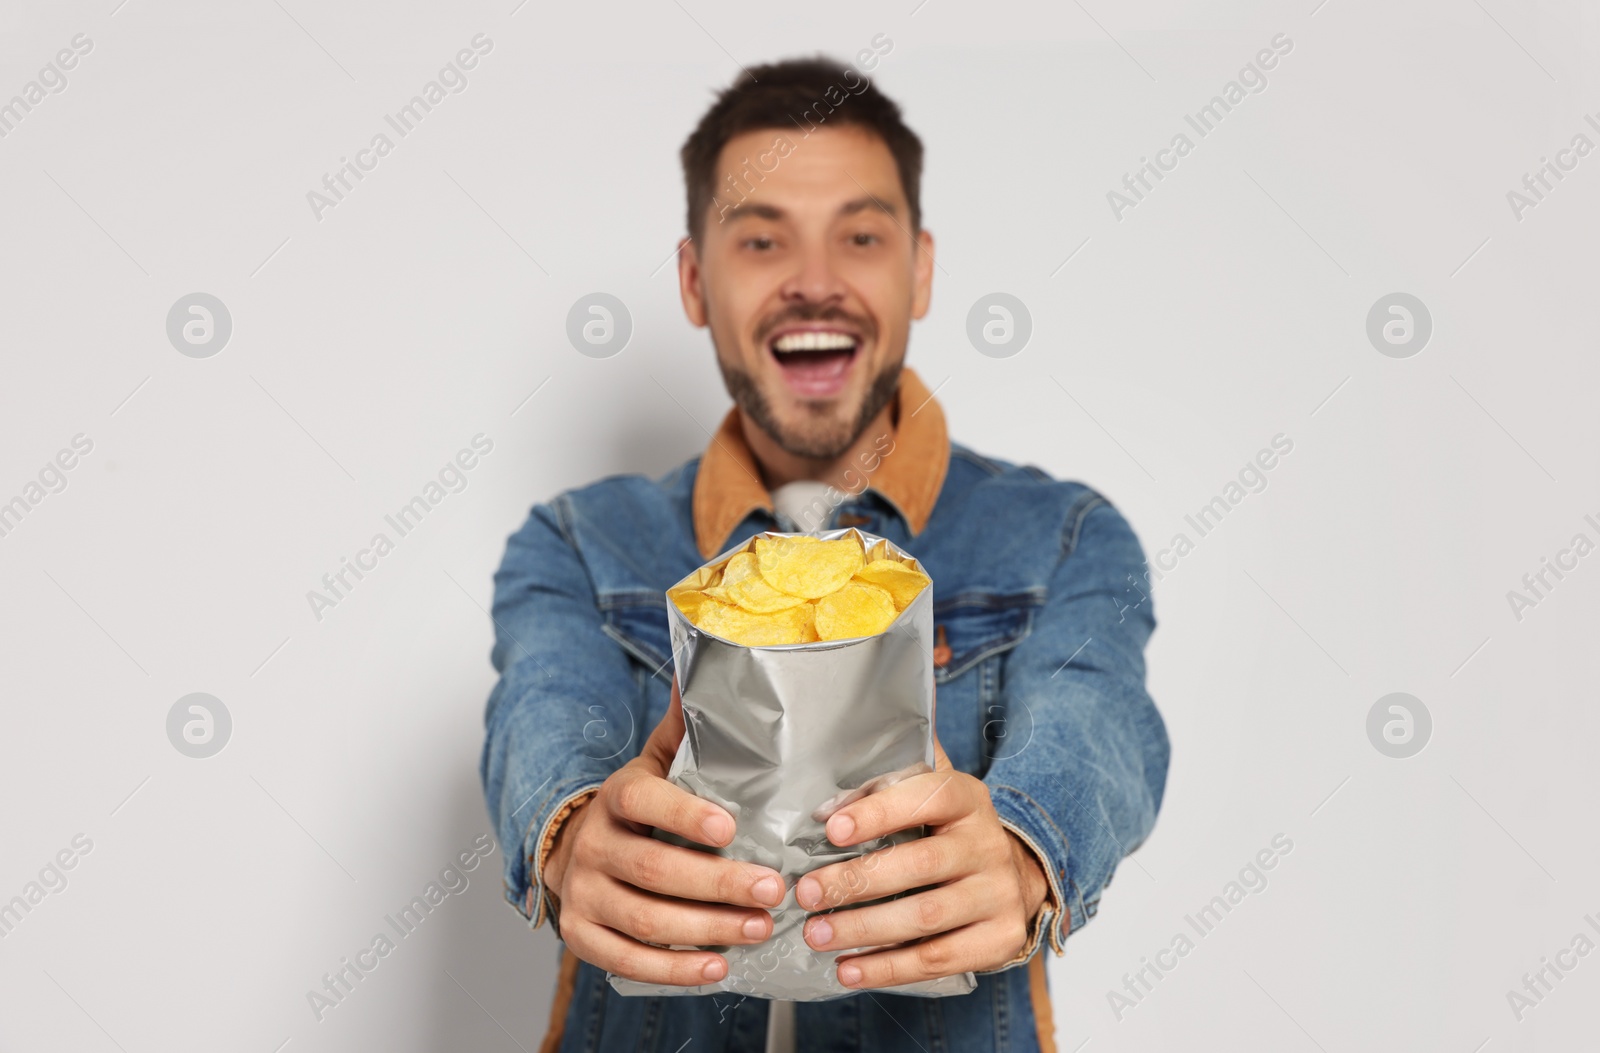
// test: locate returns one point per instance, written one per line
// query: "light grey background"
(1167, 348)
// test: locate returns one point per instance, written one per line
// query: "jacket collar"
(728, 486)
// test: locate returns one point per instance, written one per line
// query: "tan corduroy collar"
(728, 485)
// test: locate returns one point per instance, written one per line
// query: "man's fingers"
(659, 919)
(650, 800)
(614, 952)
(910, 864)
(915, 917)
(662, 745)
(977, 946)
(923, 800)
(670, 870)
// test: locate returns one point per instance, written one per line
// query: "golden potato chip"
(806, 614)
(747, 629)
(741, 566)
(689, 600)
(859, 608)
(755, 595)
(809, 568)
(900, 581)
(810, 635)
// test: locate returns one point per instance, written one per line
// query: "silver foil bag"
(784, 736)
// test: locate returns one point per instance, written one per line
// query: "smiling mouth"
(815, 362)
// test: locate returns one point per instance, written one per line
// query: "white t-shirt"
(805, 501)
(780, 1027)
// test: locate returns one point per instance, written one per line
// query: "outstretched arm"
(576, 787)
(1084, 789)
(567, 709)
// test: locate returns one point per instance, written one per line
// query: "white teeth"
(813, 341)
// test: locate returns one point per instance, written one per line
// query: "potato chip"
(747, 629)
(810, 635)
(809, 568)
(690, 601)
(755, 595)
(859, 608)
(900, 581)
(741, 566)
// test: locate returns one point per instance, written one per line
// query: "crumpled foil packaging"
(784, 736)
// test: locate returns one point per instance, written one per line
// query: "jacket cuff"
(1043, 917)
(540, 902)
(1063, 911)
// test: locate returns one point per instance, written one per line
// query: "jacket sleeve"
(1084, 790)
(568, 708)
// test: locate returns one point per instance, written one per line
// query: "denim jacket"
(1040, 620)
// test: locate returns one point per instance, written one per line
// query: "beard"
(822, 438)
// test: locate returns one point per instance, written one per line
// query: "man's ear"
(922, 275)
(691, 283)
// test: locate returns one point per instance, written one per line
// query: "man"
(807, 260)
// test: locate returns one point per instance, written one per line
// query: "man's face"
(808, 276)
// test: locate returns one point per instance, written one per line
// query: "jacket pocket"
(970, 628)
(638, 622)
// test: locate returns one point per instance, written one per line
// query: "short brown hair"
(782, 95)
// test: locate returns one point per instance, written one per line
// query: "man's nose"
(815, 278)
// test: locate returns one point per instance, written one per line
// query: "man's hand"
(989, 884)
(621, 889)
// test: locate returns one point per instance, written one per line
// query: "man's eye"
(864, 238)
(758, 243)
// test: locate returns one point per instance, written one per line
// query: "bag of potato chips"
(805, 664)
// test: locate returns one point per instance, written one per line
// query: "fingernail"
(714, 969)
(768, 890)
(718, 828)
(755, 928)
(808, 893)
(840, 827)
(820, 934)
(849, 975)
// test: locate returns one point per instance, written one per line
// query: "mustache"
(859, 323)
